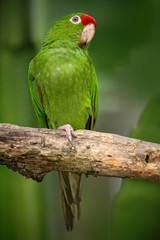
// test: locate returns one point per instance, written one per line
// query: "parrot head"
(79, 28)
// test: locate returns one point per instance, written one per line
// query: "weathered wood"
(35, 152)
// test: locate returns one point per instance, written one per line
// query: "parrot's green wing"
(94, 99)
(37, 99)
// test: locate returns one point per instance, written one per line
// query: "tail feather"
(71, 197)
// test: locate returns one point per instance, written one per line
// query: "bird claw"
(69, 130)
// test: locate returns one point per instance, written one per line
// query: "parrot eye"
(75, 20)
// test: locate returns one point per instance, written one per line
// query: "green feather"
(64, 90)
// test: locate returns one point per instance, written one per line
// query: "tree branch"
(35, 152)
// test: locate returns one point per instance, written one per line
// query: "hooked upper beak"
(87, 34)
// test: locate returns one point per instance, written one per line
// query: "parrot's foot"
(69, 130)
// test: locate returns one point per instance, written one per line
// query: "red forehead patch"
(86, 19)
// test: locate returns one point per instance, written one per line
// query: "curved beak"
(87, 34)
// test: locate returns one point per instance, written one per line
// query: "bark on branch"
(35, 152)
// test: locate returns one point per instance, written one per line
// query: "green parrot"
(64, 92)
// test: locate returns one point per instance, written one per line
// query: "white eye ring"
(75, 20)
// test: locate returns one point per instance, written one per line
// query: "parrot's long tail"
(71, 197)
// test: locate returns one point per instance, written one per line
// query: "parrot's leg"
(69, 130)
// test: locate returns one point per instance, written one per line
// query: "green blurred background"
(126, 55)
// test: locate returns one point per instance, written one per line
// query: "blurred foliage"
(136, 213)
(148, 128)
(125, 51)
